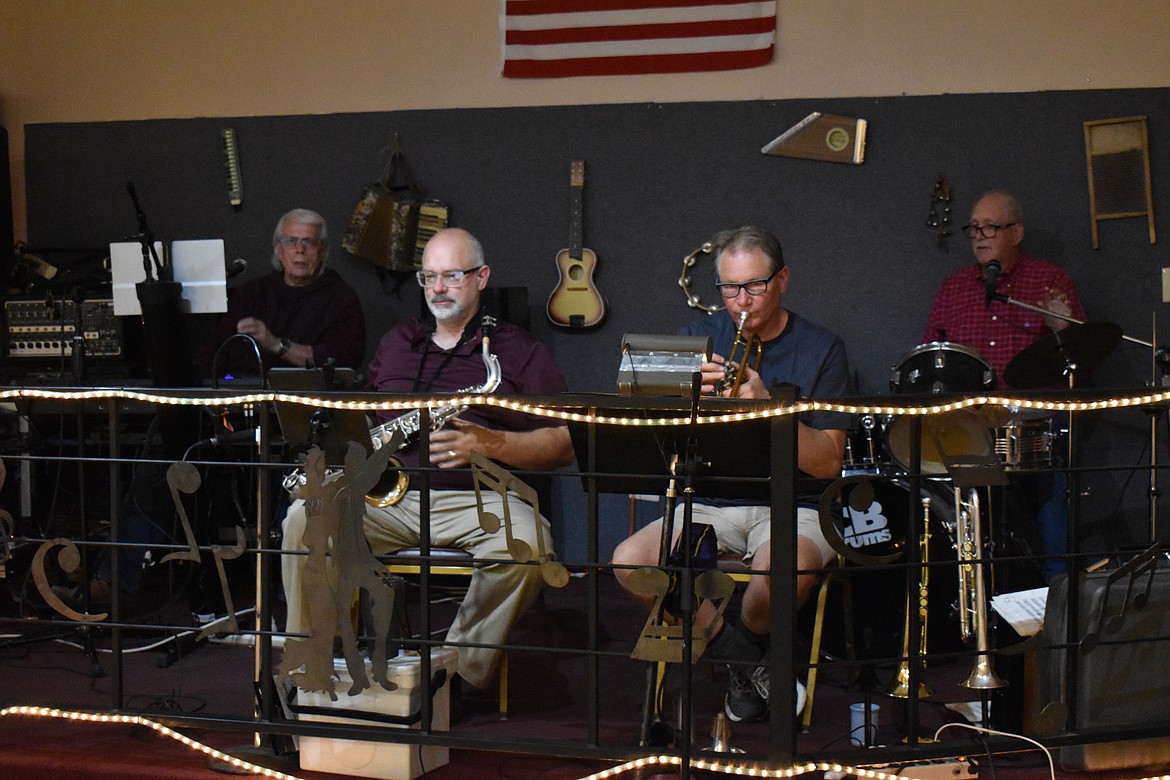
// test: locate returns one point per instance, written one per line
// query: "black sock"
(736, 643)
(760, 641)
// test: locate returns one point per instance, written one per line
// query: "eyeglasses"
(753, 286)
(427, 279)
(985, 231)
(292, 242)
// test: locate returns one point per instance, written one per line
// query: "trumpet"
(900, 685)
(972, 592)
(735, 367)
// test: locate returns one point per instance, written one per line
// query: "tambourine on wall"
(1117, 156)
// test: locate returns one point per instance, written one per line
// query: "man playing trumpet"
(752, 279)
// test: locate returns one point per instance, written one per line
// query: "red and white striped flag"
(550, 38)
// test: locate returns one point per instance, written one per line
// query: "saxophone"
(395, 480)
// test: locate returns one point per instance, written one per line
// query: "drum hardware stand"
(1159, 359)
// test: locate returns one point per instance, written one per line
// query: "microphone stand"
(1048, 313)
(653, 732)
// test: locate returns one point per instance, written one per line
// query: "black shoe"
(747, 694)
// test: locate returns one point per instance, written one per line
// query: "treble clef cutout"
(485, 472)
(662, 642)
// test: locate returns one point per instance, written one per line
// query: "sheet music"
(1024, 609)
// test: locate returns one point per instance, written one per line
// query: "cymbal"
(1044, 363)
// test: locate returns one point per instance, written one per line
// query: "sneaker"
(747, 694)
(762, 681)
(744, 702)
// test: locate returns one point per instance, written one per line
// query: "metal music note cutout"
(485, 472)
(68, 559)
(662, 642)
(221, 554)
(1110, 620)
(182, 477)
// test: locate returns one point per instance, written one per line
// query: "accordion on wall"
(393, 221)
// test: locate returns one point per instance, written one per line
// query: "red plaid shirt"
(999, 332)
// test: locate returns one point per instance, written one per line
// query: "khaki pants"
(498, 593)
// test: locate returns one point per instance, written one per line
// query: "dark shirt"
(325, 314)
(805, 354)
(407, 361)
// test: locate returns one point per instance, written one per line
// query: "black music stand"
(717, 461)
(304, 426)
(637, 458)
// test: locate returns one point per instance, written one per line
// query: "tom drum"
(941, 367)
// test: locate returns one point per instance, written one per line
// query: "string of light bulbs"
(565, 413)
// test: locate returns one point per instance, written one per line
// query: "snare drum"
(942, 367)
(1025, 443)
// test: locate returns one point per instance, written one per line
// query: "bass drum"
(879, 592)
(941, 367)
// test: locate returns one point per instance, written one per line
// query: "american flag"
(551, 38)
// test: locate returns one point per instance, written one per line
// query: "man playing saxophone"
(780, 346)
(443, 354)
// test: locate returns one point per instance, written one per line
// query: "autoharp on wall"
(822, 137)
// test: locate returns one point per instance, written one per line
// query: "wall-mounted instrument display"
(939, 216)
(231, 161)
(576, 302)
(822, 137)
(684, 280)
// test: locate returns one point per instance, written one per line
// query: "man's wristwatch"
(285, 346)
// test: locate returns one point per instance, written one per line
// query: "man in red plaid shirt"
(963, 313)
(999, 331)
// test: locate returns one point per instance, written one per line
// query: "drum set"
(1024, 439)
(884, 446)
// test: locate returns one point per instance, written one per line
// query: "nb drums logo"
(867, 527)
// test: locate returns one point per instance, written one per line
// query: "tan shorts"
(741, 530)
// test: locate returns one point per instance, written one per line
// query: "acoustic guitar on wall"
(576, 303)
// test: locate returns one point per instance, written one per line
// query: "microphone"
(38, 265)
(235, 268)
(990, 277)
(232, 437)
